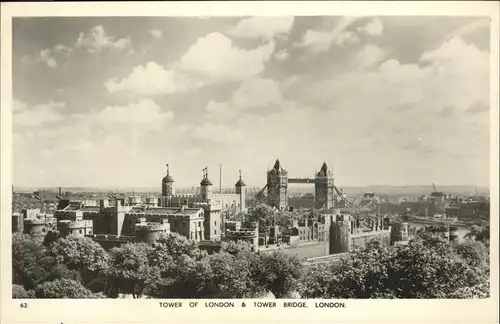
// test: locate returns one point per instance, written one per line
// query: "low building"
(184, 221)
(72, 223)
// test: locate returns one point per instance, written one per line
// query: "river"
(462, 230)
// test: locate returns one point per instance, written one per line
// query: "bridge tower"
(323, 187)
(277, 186)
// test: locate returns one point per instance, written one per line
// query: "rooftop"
(170, 211)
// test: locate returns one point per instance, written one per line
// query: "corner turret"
(206, 187)
(241, 191)
(167, 188)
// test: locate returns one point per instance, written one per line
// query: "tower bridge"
(275, 192)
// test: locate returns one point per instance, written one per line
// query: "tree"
(60, 271)
(130, 271)
(231, 275)
(63, 288)
(284, 219)
(262, 213)
(280, 272)
(191, 278)
(20, 293)
(479, 233)
(29, 261)
(81, 254)
(183, 269)
(177, 245)
(232, 214)
(235, 247)
(51, 237)
(427, 267)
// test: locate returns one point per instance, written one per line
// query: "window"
(80, 231)
(215, 231)
(215, 223)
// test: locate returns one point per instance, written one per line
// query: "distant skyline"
(107, 102)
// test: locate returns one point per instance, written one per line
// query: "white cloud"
(431, 99)
(45, 57)
(156, 33)
(482, 23)
(369, 56)
(251, 93)
(18, 106)
(229, 119)
(214, 107)
(315, 41)
(48, 56)
(262, 27)
(152, 79)
(217, 132)
(373, 28)
(142, 113)
(215, 56)
(257, 93)
(347, 39)
(37, 115)
(281, 55)
(458, 59)
(97, 40)
(193, 152)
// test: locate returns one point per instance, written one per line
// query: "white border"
(127, 311)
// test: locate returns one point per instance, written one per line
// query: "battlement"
(152, 226)
(230, 194)
(184, 195)
(247, 233)
(35, 221)
(371, 233)
(113, 238)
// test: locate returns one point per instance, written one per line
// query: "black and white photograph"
(297, 157)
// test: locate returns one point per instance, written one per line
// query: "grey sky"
(384, 100)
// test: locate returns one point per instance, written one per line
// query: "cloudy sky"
(384, 100)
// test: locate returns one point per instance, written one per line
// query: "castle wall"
(17, 223)
(35, 228)
(361, 240)
(80, 227)
(108, 241)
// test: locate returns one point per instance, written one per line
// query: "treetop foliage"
(74, 267)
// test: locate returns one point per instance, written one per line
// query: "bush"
(63, 288)
(20, 293)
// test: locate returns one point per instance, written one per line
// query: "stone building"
(248, 233)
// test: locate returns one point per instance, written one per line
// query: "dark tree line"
(75, 267)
